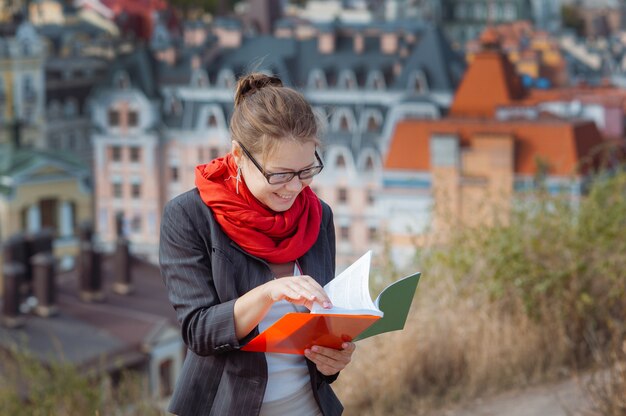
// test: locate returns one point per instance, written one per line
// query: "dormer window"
(343, 124)
(199, 79)
(340, 162)
(372, 124)
(173, 105)
(347, 80)
(343, 120)
(418, 82)
(121, 80)
(376, 80)
(226, 79)
(317, 79)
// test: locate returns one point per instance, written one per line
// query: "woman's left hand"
(330, 361)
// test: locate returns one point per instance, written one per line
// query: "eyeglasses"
(284, 177)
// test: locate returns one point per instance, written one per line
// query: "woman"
(250, 243)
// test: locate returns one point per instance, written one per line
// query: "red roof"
(563, 144)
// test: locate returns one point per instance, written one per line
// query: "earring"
(238, 179)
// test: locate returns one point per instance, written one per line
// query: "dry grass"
(453, 347)
(506, 306)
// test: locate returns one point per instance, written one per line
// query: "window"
(174, 173)
(212, 121)
(215, 153)
(114, 118)
(372, 233)
(133, 118)
(369, 197)
(341, 162)
(116, 153)
(49, 213)
(343, 124)
(135, 154)
(342, 195)
(372, 124)
(369, 164)
(165, 378)
(117, 189)
(344, 232)
(135, 224)
(135, 190)
(28, 88)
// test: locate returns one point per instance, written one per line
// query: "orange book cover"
(295, 332)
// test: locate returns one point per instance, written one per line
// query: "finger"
(314, 288)
(325, 366)
(330, 356)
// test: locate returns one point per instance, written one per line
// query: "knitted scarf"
(277, 237)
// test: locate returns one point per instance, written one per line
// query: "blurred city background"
(480, 142)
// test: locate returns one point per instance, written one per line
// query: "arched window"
(347, 80)
(199, 79)
(226, 78)
(418, 82)
(343, 120)
(317, 79)
(340, 162)
(121, 80)
(375, 80)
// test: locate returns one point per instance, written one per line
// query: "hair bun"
(251, 83)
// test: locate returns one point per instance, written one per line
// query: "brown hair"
(266, 112)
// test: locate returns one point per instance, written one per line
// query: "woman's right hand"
(299, 290)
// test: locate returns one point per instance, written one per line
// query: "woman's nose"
(295, 184)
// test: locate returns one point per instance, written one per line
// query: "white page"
(350, 290)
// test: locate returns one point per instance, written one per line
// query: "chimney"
(44, 284)
(359, 43)
(89, 267)
(13, 278)
(16, 250)
(122, 267)
(326, 42)
(389, 43)
(37, 242)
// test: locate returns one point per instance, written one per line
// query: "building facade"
(360, 81)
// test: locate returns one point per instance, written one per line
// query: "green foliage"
(559, 257)
(29, 388)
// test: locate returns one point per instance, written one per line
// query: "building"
(360, 80)
(128, 163)
(81, 317)
(536, 55)
(463, 20)
(472, 165)
(22, 91)
(43, 190)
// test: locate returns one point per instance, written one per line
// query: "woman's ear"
(236, 152)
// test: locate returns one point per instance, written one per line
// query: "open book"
(354, 315)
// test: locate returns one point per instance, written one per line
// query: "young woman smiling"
(250, 243)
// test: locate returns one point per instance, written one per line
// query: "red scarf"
(277, 237)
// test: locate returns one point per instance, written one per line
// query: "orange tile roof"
(488, 82)
(563, 144)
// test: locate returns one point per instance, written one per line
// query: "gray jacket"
(205, 272)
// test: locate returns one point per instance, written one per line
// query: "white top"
(287, 374)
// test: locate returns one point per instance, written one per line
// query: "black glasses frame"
(308, 172)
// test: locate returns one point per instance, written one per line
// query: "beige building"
(43, 189)
(22, 84)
